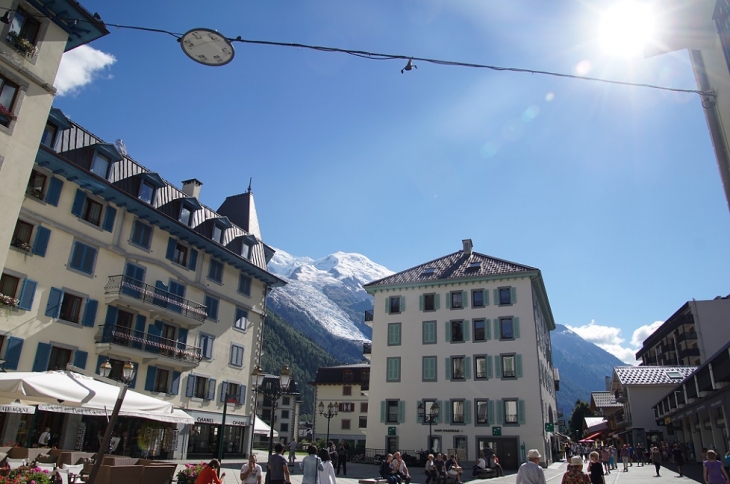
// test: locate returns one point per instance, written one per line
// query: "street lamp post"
(273, 388)
(429, 418)
(331, 412)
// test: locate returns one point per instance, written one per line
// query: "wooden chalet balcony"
(126, 341)
(144, 296)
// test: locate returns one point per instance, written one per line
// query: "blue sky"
(612, 191)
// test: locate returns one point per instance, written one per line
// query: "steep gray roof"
(459, 265)
(605, 400)
(652, 375)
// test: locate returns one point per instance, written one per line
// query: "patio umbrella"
(45, 387)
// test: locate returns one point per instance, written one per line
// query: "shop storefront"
(204, 435)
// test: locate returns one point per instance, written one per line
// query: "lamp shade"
(285, 377)
(257, 376)
(105, 369)
(128, 371)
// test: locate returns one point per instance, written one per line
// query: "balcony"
(368, 315)
(689, 352)
(129, 342)
(688, 336)
(133, 292)
(367, 348)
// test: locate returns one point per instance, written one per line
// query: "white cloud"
(609, 339)
(79, 67)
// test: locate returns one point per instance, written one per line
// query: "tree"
(580, 412)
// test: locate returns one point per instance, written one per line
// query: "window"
(49, 135)
(285, 414)
(362, 422)
(508, 366)
(393, 369)
(70, 308)
(100, 164)
(363, 407)
(8, 91)
(21, 235)
(9, 285)
(161, 384)
(395, 306)
(201, 387)
(457, 368)
(36, 185)
(236, 355)
(23, 26)
(429, 332)
(510, 411)
(457, 411)
(141, 234)
(505, 296)
(429, 368)
(345, 424)
(211, 307)
(234, 392)
(480, 370)
(185, 214)
(92, 211)
(347, 375)
(346, 390)
(457, 301)
(241, 321)
(123, 327)
(480, 330)
(215, 271)
(205, 341)
(429, 302)
(244, 285)
(477, 299)
(286, 401)
(482, 412)
(346, 407)
(181, 254)
(217, 233)
(457, 331)
(394, 334)
(146, 191)
(284, 427)
(506, 328)
(391, 413)
(60, 357)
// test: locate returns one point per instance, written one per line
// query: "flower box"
(22, 45)
(8, 301)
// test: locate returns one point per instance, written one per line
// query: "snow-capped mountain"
(326, 292)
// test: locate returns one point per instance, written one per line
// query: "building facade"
(342, 386)
(471, 333)
(32, 42)
(286, 416)
(108, 261)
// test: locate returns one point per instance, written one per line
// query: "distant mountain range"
(324, 301)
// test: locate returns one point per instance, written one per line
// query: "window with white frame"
(511, 411)
(457, 301)
(241, 319)
(236, 355)
(457, 411)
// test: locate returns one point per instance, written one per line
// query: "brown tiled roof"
(458, 265)
(652, 375)
(605, 400)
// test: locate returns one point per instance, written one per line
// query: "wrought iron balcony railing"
(155, 296)
(151, 343)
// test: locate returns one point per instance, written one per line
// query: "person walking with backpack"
(342, 459)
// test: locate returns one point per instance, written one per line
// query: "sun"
(625, 28)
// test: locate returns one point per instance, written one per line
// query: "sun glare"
(625, 28)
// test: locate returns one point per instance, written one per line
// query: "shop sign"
(207, 418)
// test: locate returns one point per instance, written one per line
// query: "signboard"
(216, 418)
(496, 431)
(391, 430)
(549, 427)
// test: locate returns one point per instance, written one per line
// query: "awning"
(176, 416)
(593, 436)
(16, 408)
(261, 428)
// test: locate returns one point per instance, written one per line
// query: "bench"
(486, 473)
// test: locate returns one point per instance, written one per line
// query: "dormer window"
(146, 191)
(57, 122)
(185, 214)
(217, 233)
(49, 135)
(100, 164)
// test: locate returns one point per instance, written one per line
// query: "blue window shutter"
(27, 293)
(54, 191)
(467, 367)
(175, 383)
(513, 295)
(80, 358)
(467, 412)
(99, 360)
(190, 387)
(516, 327)
(437, 301)
(53, 308)
(490, 412)
(111, 317)
(489, 366)
(139, 326)
(211, 307)
(401, 411)
(420, 302)
(521, 411)
(224, 389)
(90, 313)
(41, 241)
(241, 394)
(382, 411)
(42, 355)
(149, 383)
(109, 216)
(133, 383)
(448, 331)
(209, 347)
(447, 371)
(78, 205)
(211, 389)
(171, 244)
(193, 259)
(12, 353)
(486, 297)
(182, 337)
(465, 299)
(466, 326)
(518, 366)
(402, 304)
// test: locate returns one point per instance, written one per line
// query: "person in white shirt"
(480, 465)
(530, 472)
(45, 438)
(326, 475)
(251, 471)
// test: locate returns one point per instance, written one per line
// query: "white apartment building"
(286, 416)
(108, 261)
(472, 333)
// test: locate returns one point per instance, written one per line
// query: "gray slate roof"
(458, 265)
(652, 375)
(605, 400)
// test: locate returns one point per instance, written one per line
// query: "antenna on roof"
(250, 180)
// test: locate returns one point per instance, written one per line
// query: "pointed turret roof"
(241, 210)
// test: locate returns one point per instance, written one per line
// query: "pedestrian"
(327, 473)
(332, 451)
(727, 462)
(431, 474)
(714, 472)
(440, 467)
(278, 466)
(401, 469)
(251, 472)
(530, 472)
(478, 467)
(311, 465)
(386, 470)
(656, 459)
(45, 438)
(625, 457)
(453, 468)
(606, 460)
(678, 458)
(209, 474)
(293, 451)
(574, 474)
(595, 469)
(342, 459)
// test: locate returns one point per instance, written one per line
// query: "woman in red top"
(209, 474)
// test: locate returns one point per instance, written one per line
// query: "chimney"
(467, 246)
(191, 187)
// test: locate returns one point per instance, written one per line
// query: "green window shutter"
(382, 411)
(467, 368)
(487, 329)
(464, 299)
(402, 303)
(518, 366)
(419, 419)
(420, 302)
(448, 300)
(513, 295)
(387, 305)
(448, 331)
(401, 411)
(500, 412)
(489, 366)
(486, 297)
(466, 325)
(447, 370)
(437, 301)
(440, 419)
(447, 412)
(521, 411)
(467, 412)
(497, 332)
(496, 297)
(490, 412)
(516, 327)
(498, 366)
